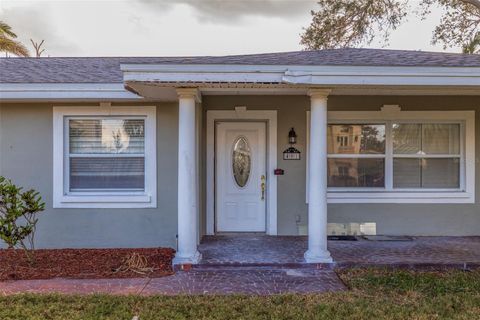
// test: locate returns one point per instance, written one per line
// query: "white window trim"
(145, 199)
(466, 194)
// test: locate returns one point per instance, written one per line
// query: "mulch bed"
(83, 263)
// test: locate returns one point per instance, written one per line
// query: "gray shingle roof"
(107, 69)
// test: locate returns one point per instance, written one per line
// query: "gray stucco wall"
(393, 219)
(26, 157)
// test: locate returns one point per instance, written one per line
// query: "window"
(342, 141)
(426, 155)
(104, 158)
(401, 157)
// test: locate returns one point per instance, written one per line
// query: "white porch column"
(187, 179)
(317, 197)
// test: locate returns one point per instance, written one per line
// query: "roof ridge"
(241, 55)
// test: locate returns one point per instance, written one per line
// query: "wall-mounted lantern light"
(291, 153)
(292, 136)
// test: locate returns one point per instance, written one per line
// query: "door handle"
(262, 185)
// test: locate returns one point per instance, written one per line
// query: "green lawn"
(374, 294)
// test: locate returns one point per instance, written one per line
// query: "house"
(144, 152)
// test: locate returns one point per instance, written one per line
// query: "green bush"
(18, 215)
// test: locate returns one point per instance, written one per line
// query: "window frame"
(392, 114)
(64, 198)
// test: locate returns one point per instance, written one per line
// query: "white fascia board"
(233, 77)
(202, 68)
(306, 75)
(65, 91)
(386, 78)
(202, 73)
(365, 80)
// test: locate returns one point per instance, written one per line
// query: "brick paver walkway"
(226, 281)
(248, 250)
(419, 251)
(270, 265)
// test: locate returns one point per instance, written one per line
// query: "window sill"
(401, 197)
(105, 201)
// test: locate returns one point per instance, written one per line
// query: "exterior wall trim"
(42, 92)
(271, 118)
(147, 199)
(65, 91)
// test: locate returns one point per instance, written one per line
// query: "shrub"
(18, 215)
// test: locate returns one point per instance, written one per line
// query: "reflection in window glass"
(356, 172)
(407, 138)
(98, 136)
(426, 138)
(425, 155)
(356, 139)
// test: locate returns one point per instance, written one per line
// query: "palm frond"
(13, 47)
(5, 29)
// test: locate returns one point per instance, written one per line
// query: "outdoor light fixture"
(291, 153)
(292, 136)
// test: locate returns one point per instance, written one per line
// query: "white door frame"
(270, 117)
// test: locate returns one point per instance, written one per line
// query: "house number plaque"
(291, 154)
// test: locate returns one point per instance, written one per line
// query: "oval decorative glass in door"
(241, 161)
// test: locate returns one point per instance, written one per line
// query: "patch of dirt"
(84, 263)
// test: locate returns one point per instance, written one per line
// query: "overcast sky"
(179, 27)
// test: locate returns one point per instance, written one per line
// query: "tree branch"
(38, 48)
(475, 3)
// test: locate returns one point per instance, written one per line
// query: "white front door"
(240, 176)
